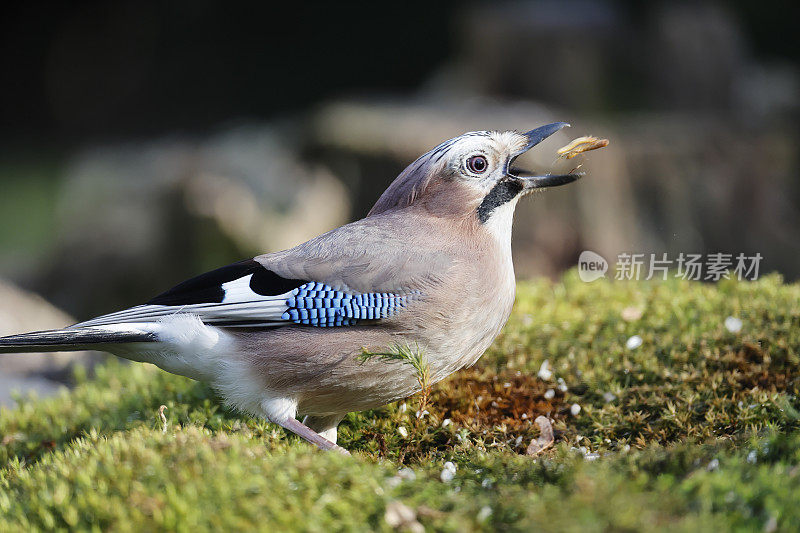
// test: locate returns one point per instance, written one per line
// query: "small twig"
(163, 418)
(545, 439)
(411, 356)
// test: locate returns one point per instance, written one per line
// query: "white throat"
(500, 223)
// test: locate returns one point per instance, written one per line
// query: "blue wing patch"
(318, 304)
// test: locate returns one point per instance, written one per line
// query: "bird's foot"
(305, 432)
(339, 449)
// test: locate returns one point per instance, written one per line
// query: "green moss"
(695, 428)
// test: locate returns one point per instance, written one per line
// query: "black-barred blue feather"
(318, 304)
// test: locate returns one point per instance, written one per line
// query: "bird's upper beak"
(535, 136)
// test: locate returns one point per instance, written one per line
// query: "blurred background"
(143, 143)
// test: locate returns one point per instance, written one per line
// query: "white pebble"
(575, 409)
(399, 515)
(403, 432)
(609, 397)
(484, 513)
(422, 414)
(713, 465)
(634, 342)
(752, 457)
(591, 456)
(446, 422)
(562, 385)
(403, 407)
(407, 473)
(393, 481)
(544, 371)
(733, 324)
(550, 394)
(448, 472)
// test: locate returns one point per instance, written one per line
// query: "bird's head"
(472, 177)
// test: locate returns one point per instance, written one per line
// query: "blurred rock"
(44, 373)
(260, 192)
(150, 213)
(13, 384)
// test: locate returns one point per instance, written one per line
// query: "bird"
(284, 334)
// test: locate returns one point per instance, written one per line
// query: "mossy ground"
(696, 428)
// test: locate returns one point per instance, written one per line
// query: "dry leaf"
(545, 439)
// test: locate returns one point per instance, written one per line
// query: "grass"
(697, 428)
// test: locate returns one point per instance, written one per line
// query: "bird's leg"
(324, 425)
(303, 431)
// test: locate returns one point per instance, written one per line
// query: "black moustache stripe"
(503, 191)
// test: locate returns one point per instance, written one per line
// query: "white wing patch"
(240, 306)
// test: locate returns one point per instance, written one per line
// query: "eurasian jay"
(429, 269)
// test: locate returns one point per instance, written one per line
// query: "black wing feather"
(207, 288)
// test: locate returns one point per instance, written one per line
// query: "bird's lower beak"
(530, 183)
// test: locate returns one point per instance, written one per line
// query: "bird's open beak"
(530, 182)
(541, 133)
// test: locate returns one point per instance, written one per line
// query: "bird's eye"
(477, 164)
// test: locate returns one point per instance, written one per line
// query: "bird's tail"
(71, 339)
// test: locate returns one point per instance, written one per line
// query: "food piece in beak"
(580, 145)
